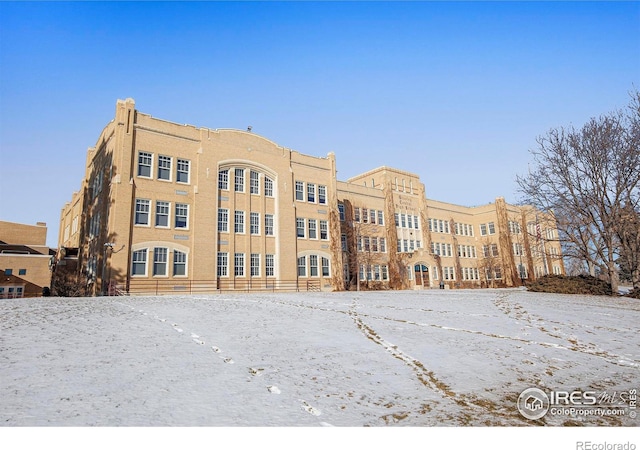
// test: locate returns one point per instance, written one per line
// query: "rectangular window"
(254, 182)
(182, 174)
(313, 224)
(494, 249)
(367, 244)
(238, 265)
(164, 167)
(311, 192)
(300, 191)
(356, 214)
(322, 195)
(223, 264)
(223, 179)
(159, 261)
(415, 222)
(223, 220)
(239, 180)
(302, 266)
(300, 227)
(238, 222)
(403, 220)
(179, 263)
(268, 224)
(365, 215)
(255, 264)
(139, 262)
(492, 228)
(383, 245)
(182, 215)
(254, 223)
(341, 211)
(374, 244)
(22, 271)
(325, 267)
(313, 265)
(372, 214)
(268, 187)
(162, 214)
(483, 229)
(324, 230)
(142, 212)
(144, 164)
(385, 273)
(343, 241)
(269, 265)
(380, 218)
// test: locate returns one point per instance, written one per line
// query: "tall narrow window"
(159, 261)
(239, 180)
(311, 192)
(325, 267)
(255, 264)
(238, 225)
(269, 265)
(268, 224)
(142, 212)
(144, 164)
(299, 191)
(139, 262)
(300, 227)
(313, 230)
(179, 263)
(313, 265)
(223, 179)
(223, 220)
(302, 266)
(254, 182)
(164, 167)
(162, 214)
(380, 218)
(223, 264)
(182, 215)
(324, 230)
(492, 228)
(322, 195)
(182, 174)
(383, 245)
(341, 212)
(268, 187)
(254, 223)
(238, 264)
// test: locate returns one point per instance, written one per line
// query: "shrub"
(582, 284)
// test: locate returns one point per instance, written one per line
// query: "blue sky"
(455, 92)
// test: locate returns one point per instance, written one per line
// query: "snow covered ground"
(403, 358)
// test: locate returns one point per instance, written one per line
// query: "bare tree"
(489, 261)
(588, 178)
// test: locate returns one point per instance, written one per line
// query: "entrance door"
(422, 275)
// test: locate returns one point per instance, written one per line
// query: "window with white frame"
(492, 228)
(142, 211)
(268, 225)
(223, 220)
(313, 265)
(299, 191)
(182, 170)
(160, 261)
(179, 263)
(269, 265)
(313, 231)
(365, 215)
(322, 194)
(341, 212)
(162, 214)
(372, 215)
(238, 264)
(380, 218)
(311, 192)
(324, 230)
(255, 264)
(254, 182)
(223, 179)
(302, 266)
(182, 215)
(223, 264)
(139, 262)
(268, 187)
(356, 214)
(164, 167)
(254, 223)
(239, 180)
(325, 267)
(238, 222)
(299, 227)
(144, 164)
(383, 245)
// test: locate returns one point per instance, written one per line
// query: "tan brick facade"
(166, 207)
(24, 260)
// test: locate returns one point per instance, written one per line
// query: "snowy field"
(408, 358)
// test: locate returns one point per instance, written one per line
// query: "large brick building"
(169, 207)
